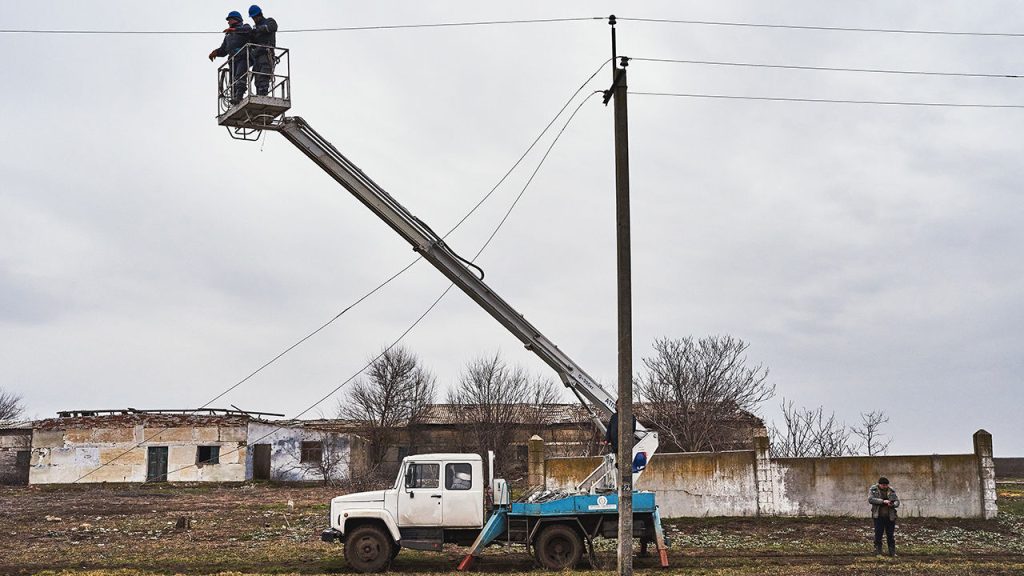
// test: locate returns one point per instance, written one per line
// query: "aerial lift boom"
(266, 112)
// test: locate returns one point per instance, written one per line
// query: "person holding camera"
(884, 502)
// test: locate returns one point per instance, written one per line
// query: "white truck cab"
(436, 498)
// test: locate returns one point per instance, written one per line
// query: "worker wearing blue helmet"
(236, 36)
(264, 37)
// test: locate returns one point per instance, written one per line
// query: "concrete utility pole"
(625, 306)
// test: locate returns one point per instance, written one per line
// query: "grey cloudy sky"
(869, 254)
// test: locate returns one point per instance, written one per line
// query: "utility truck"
(447, 498)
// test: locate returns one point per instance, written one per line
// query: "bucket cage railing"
(253, 90)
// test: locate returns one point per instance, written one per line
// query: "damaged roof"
(144, 419)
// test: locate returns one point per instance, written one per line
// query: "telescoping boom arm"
(598, 402)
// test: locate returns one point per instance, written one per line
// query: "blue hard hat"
(254, 10)
(234, 14)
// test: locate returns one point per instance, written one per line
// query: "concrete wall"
(690, 484)
(112, 454)
(942, 486)
(1009, 467)
(286, 450)
(751, 483)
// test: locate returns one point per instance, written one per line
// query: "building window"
(458, 476)
(423, 476)
(312, 452)
(207, 454)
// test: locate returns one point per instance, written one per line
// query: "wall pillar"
(763, 473)
(535, 461)
(986, 473)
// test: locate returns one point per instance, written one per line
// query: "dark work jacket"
(612, 433)
(265, 33)
(234, 41)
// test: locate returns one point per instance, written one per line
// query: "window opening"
(312, 452)
(207, 454)
(423, 476)
(458, 476)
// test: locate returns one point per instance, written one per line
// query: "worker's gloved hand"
(228, 30)
(213, 55)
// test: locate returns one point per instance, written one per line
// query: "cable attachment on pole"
(619, 74)
(616, 72)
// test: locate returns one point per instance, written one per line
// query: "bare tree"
(695, 391)
(808, 432)
(394, 395)
(329, 468)
(11, 406)
(874, 442)
(495, 401)
(319, 454)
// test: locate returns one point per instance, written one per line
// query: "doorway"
(261, 462)
(156, 470)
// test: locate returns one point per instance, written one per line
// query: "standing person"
(236, 36)
(884, 502)
(264, 33)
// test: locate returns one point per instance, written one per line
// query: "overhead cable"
(433, 305)
(305, 30)
(825, 28)
(396, 274)
(826, 100)
(825, 68)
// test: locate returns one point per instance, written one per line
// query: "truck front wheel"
(558, 547)
(369, 549)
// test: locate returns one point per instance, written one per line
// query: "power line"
(826, 68)
(433, 305)
(825, 28)
(305, 30)
(529, 21)
(396, 274)
(828, 101)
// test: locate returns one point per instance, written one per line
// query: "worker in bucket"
(884, 502)
(236, 36)
(264, 38)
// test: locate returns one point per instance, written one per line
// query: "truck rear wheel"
(558, 547)
(369, 549)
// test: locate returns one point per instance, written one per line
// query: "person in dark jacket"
(884, 502)
(264, 33)
(236, 36)
(611, 434)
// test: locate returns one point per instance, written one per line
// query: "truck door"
(419, 501)
(463, 496)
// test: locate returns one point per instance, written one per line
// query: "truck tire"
(369, 549)
(558, 547)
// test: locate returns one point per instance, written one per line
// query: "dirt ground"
(265, 529)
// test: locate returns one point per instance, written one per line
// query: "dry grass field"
(252, 529)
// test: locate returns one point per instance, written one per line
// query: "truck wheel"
(558, 547)
(368, 549)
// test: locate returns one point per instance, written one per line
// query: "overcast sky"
(870, 255)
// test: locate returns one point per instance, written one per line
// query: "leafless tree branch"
(873, 441)
(694, 390)
(11, 406)
(809, 432)
(395, 394)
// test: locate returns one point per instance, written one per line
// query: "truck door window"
(458, 476)
(423, 476)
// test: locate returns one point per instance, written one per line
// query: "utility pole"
(625, 309)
